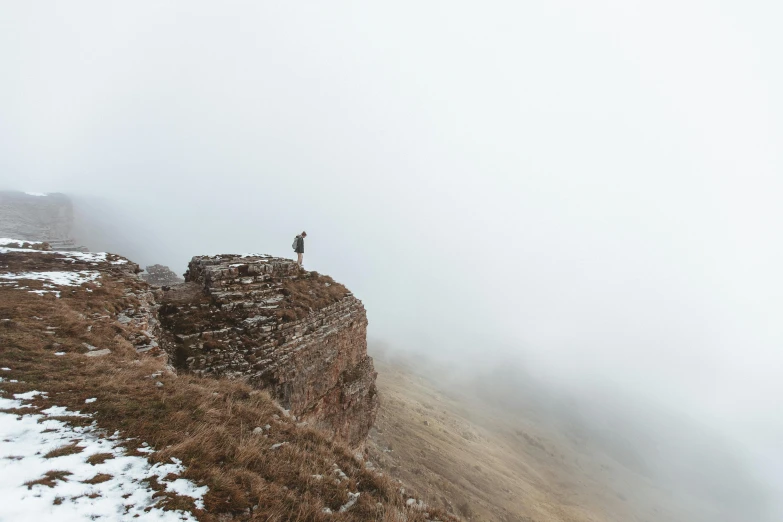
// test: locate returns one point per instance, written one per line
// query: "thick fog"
(591, 189)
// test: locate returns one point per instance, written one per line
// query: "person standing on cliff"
(299, 247)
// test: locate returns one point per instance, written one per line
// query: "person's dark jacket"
(299, 245)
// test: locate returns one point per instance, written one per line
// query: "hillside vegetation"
(256, 460)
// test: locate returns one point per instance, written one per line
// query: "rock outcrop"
(298, 334)
(38, 217)
(78, 334)
(160, 275)
(127, 302)
(265, 320)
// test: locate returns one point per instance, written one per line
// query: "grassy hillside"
(489, 462)
(258, 462)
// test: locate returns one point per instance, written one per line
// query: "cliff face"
(296, 333)
(37, 217)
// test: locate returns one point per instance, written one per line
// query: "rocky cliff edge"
(265, 320)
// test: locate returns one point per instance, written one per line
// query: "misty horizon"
(591, 193)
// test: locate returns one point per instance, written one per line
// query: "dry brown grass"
(487, 462)
(99, 458)
(306, 294)
(62, 451)
(49, 479)
(206, 423)
(97, 479)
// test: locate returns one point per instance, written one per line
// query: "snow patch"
(28, 395)
(11, 241)
(51, 280)
(67, 255)
(60, 411)
(36, 194)
(186, 488)
(55, 278)
(124, 496)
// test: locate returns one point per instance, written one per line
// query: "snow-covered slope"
(53, 470)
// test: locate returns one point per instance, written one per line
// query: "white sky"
(594, 184)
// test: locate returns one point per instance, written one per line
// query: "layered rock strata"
(296, 333)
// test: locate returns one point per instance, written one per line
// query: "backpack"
(296, 242)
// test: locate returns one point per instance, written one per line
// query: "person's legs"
(299, 258)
